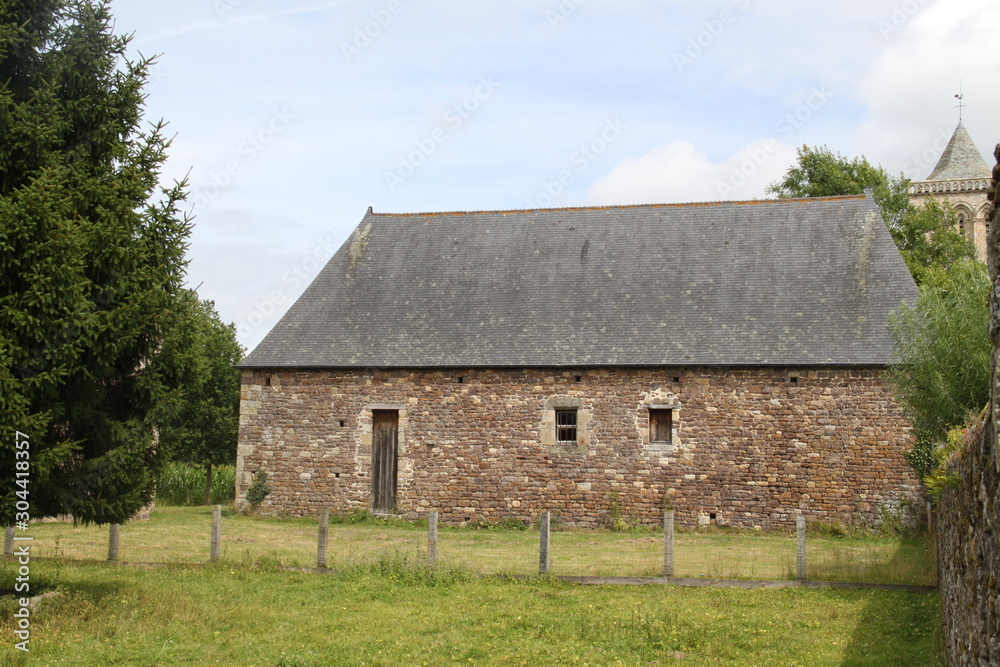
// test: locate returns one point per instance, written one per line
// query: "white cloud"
(680, 172)
(910, 87)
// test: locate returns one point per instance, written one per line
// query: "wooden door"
(385, 438)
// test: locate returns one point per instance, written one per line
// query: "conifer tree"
(91, 259)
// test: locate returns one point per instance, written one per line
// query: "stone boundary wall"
(969, 551)
(750, 446)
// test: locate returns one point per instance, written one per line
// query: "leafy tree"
(820, 172)
(943, 345)
(926, 236)
(203, 428)
(929, 239)
(91, 258)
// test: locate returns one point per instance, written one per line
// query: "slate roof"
(805, 282)
(960, 159)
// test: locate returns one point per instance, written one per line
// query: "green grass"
(182, 535)
(393, 611)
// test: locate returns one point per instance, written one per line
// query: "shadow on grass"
(897, 628)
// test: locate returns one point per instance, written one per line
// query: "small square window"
(566, 427)
(661, 424)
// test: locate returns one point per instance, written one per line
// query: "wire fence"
(200, 534)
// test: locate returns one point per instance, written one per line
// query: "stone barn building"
(722, 359)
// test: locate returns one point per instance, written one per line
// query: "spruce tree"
(91, 260)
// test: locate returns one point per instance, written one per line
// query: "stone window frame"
(549, 436)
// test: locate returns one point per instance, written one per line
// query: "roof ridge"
(610, 207)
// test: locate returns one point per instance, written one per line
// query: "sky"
(290, 119)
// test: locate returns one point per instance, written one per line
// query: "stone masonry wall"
(749, 446)
(968, 553)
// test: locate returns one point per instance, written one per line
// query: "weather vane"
(959, 98)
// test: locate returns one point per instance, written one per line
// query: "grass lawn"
(182, 535)
(393, 611)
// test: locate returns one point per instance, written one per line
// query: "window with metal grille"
(661, 423)
(566, 426)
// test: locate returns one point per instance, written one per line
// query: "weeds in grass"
(619, 523)
(644, 633)
(406, 570)
(250, 562)
(826, 529)
(507, 523)
(362, 517)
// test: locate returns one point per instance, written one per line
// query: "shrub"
(943, 344)
(258, 489)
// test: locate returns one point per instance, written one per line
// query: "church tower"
(961, 178)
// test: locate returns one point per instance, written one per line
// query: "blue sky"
(291, 118)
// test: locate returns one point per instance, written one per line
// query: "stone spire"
(960, 178)
(961, 159)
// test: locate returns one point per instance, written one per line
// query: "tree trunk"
(208, 484)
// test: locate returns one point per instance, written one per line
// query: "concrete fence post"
(432, 537)
(324, 533)
(216, 532)
(668, 543)
(543, 543)
(113, 539)
(800, 534)
(8, 541)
